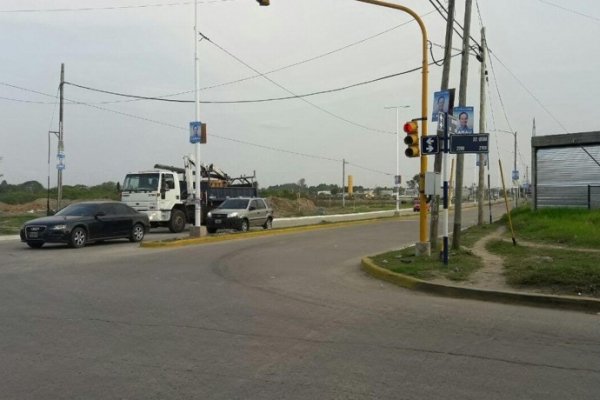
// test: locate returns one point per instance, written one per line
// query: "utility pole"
(516, 181)
(61, 143)
(343, 183)
(482, 157)
(462, 102)
(196, 230)
(437, 164)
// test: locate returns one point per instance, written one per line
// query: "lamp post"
(397, 178)
(423, 247)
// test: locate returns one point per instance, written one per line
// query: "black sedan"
(81, 223)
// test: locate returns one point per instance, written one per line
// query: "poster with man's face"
(465, 117)
(443, 101)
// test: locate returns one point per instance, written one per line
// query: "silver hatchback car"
(240, 213)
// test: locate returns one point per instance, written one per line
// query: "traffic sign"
(469, 143)
(430, 144)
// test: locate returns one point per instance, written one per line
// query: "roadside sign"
(430, 144)
(515, 175)
(469, 143)
(195, 130)
(452, 124)
(397, 179)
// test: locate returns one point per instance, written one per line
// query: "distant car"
(82, 223)
(240, 213)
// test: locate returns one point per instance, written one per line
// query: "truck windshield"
(234, 204)
(141, 183)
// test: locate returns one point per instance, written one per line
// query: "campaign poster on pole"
(443, 101)
(465, 117)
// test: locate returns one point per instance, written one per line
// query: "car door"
(123, 220)
(253, 213)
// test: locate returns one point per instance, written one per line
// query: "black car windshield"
(141, 182)
(234, 204)
(78, 210)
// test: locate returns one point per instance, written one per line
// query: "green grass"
(555, 270)
(460, 264)
(550, 270)
(10, 225)
(564, 226)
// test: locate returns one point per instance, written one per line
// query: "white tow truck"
(167, 194)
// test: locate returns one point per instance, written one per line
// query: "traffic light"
(412, 139)
(263, 2)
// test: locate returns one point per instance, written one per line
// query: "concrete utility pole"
(343, 183)
(437, 164)
(196, 230)
(61, 143)
(482, 157)
(462, 102)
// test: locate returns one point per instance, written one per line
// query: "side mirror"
(99, 214)
(252, 208)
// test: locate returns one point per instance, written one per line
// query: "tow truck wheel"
(177, 222)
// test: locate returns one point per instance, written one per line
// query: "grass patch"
(565, 226)
(11, 224)
(553, 270)
(461, 264)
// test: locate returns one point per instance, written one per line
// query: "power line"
(292, 93)
(162, 123)
(570, 10)
(161, 98)
(42, 10)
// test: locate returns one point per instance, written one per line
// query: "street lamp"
(397, 178)
(423, 247)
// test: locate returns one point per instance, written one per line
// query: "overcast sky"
(544, 56)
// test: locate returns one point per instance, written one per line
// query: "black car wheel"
(35, 245)
(268, 224)
(177, 222)
(137, 233)
(244, 225)
(78, 238)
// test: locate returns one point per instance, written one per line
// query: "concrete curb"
(252, 234)
(9, 237)
(531, 299)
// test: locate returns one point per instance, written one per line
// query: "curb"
(247, 235)
(9, 237)
(539, 300)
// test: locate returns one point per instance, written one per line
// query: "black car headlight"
(60, 227)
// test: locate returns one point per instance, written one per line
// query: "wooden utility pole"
(482, 157)
(437, 165)
(462, 102)
(61, 143)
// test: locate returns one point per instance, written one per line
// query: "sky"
(544, 64)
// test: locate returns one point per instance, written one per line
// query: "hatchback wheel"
(244, 225)
(268, 224)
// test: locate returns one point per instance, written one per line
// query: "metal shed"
(566, 170)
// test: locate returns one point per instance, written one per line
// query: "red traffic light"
(411, 127)
(411, 139)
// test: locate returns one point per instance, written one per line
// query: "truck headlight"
(232, 215)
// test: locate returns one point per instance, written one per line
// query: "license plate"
(33, 235)
(217, 221)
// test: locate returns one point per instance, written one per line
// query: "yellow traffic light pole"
(423, 247)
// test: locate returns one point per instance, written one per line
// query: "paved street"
(280, 317)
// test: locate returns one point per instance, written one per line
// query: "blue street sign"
(430, 144)
(195, 129)
(469, 143)
(515, 175)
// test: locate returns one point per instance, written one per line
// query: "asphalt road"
(279, 317)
